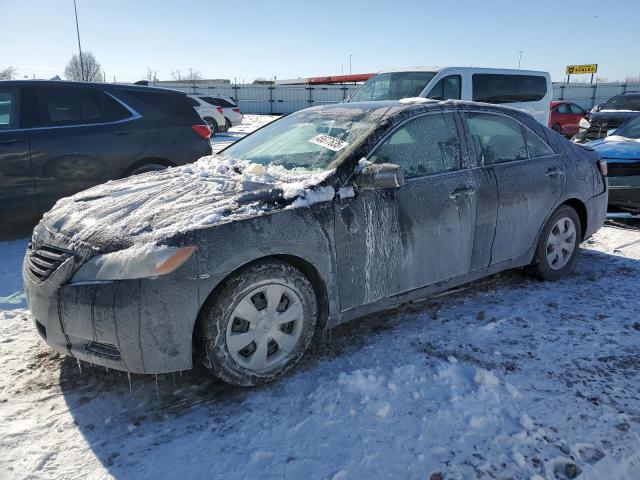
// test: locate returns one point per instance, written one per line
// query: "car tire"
(213, 125)
(557, 128)
(146, 167)
(258, 324)
(558, 245)
(227, 123)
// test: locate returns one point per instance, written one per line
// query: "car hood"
(616, 147)
(160, 206)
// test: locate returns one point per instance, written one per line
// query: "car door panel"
(419, 234)
(528, 190)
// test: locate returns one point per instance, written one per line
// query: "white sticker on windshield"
(327, 141)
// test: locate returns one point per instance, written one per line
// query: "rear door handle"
(462, 191)
(10, 141)
(122, 133)
(553, 172)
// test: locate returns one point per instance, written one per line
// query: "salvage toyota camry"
(323, 216)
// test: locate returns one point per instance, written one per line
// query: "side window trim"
(134, 116)
(479, 161)
(461, 163)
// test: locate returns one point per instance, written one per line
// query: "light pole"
(350, 55)
(79, 47)
(520, 58)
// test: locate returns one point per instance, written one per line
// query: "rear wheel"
(558, 244)
(557, 128)
(146, 167)
(213, 125)
(258, 325)
(227, 123)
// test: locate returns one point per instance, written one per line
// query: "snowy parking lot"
(509, 377)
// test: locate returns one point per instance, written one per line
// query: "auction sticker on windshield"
(327, 141)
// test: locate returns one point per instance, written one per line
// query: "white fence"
(289, 98)
(588, 95)
(270, 98)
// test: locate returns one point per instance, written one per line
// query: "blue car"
(621, 150)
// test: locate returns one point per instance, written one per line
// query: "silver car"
(241, 259)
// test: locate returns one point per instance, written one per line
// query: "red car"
(565, 117)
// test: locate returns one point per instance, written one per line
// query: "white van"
(524, 89)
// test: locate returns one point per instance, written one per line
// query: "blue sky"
(288, 39)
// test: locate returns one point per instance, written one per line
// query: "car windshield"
(630, 130)
(623, 102)
(308, 140)
(393, 86)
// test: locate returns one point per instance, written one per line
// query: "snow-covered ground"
(249, 124)
(507, 378)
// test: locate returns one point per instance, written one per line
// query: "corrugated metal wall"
(290, 98)
(270, 98)
(587, 95)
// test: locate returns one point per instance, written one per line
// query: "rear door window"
(426, 145)
(9, 108)
(447, 88)
(496, 138)
(67, 106)
(497, 88)
(535, 145)
(563, 109)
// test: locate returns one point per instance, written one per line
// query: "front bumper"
(138, 326)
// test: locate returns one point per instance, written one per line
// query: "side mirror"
(380, 175)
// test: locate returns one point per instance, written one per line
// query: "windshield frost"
(630, 130)
(305, 140)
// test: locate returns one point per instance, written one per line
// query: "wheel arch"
(308, 270)
(581, 209)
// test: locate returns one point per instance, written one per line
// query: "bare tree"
(88, 70)
(194, 75)
(8, 73)
(175, 74)
(152, 75)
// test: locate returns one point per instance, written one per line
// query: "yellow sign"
(576, 69)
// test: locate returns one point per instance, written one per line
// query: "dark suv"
(610, 115)
(57, 138)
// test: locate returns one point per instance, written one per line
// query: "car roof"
(393, 107)
(434, 69)
(103, 86)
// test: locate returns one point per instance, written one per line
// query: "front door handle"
(462, 191)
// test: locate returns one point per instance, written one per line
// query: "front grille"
(43, 261)
(599, 130)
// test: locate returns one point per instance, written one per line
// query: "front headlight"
(132, 263)
(584, 123)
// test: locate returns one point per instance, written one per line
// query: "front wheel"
(558, 244)
(258, 325)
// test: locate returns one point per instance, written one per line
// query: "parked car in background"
(621, 150)
(524, 89)
(565, 117)
(232, 113)
(213, 115)
(57, 138)
(320, 217)
(608, 116)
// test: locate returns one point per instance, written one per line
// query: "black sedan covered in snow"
(325, 215)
